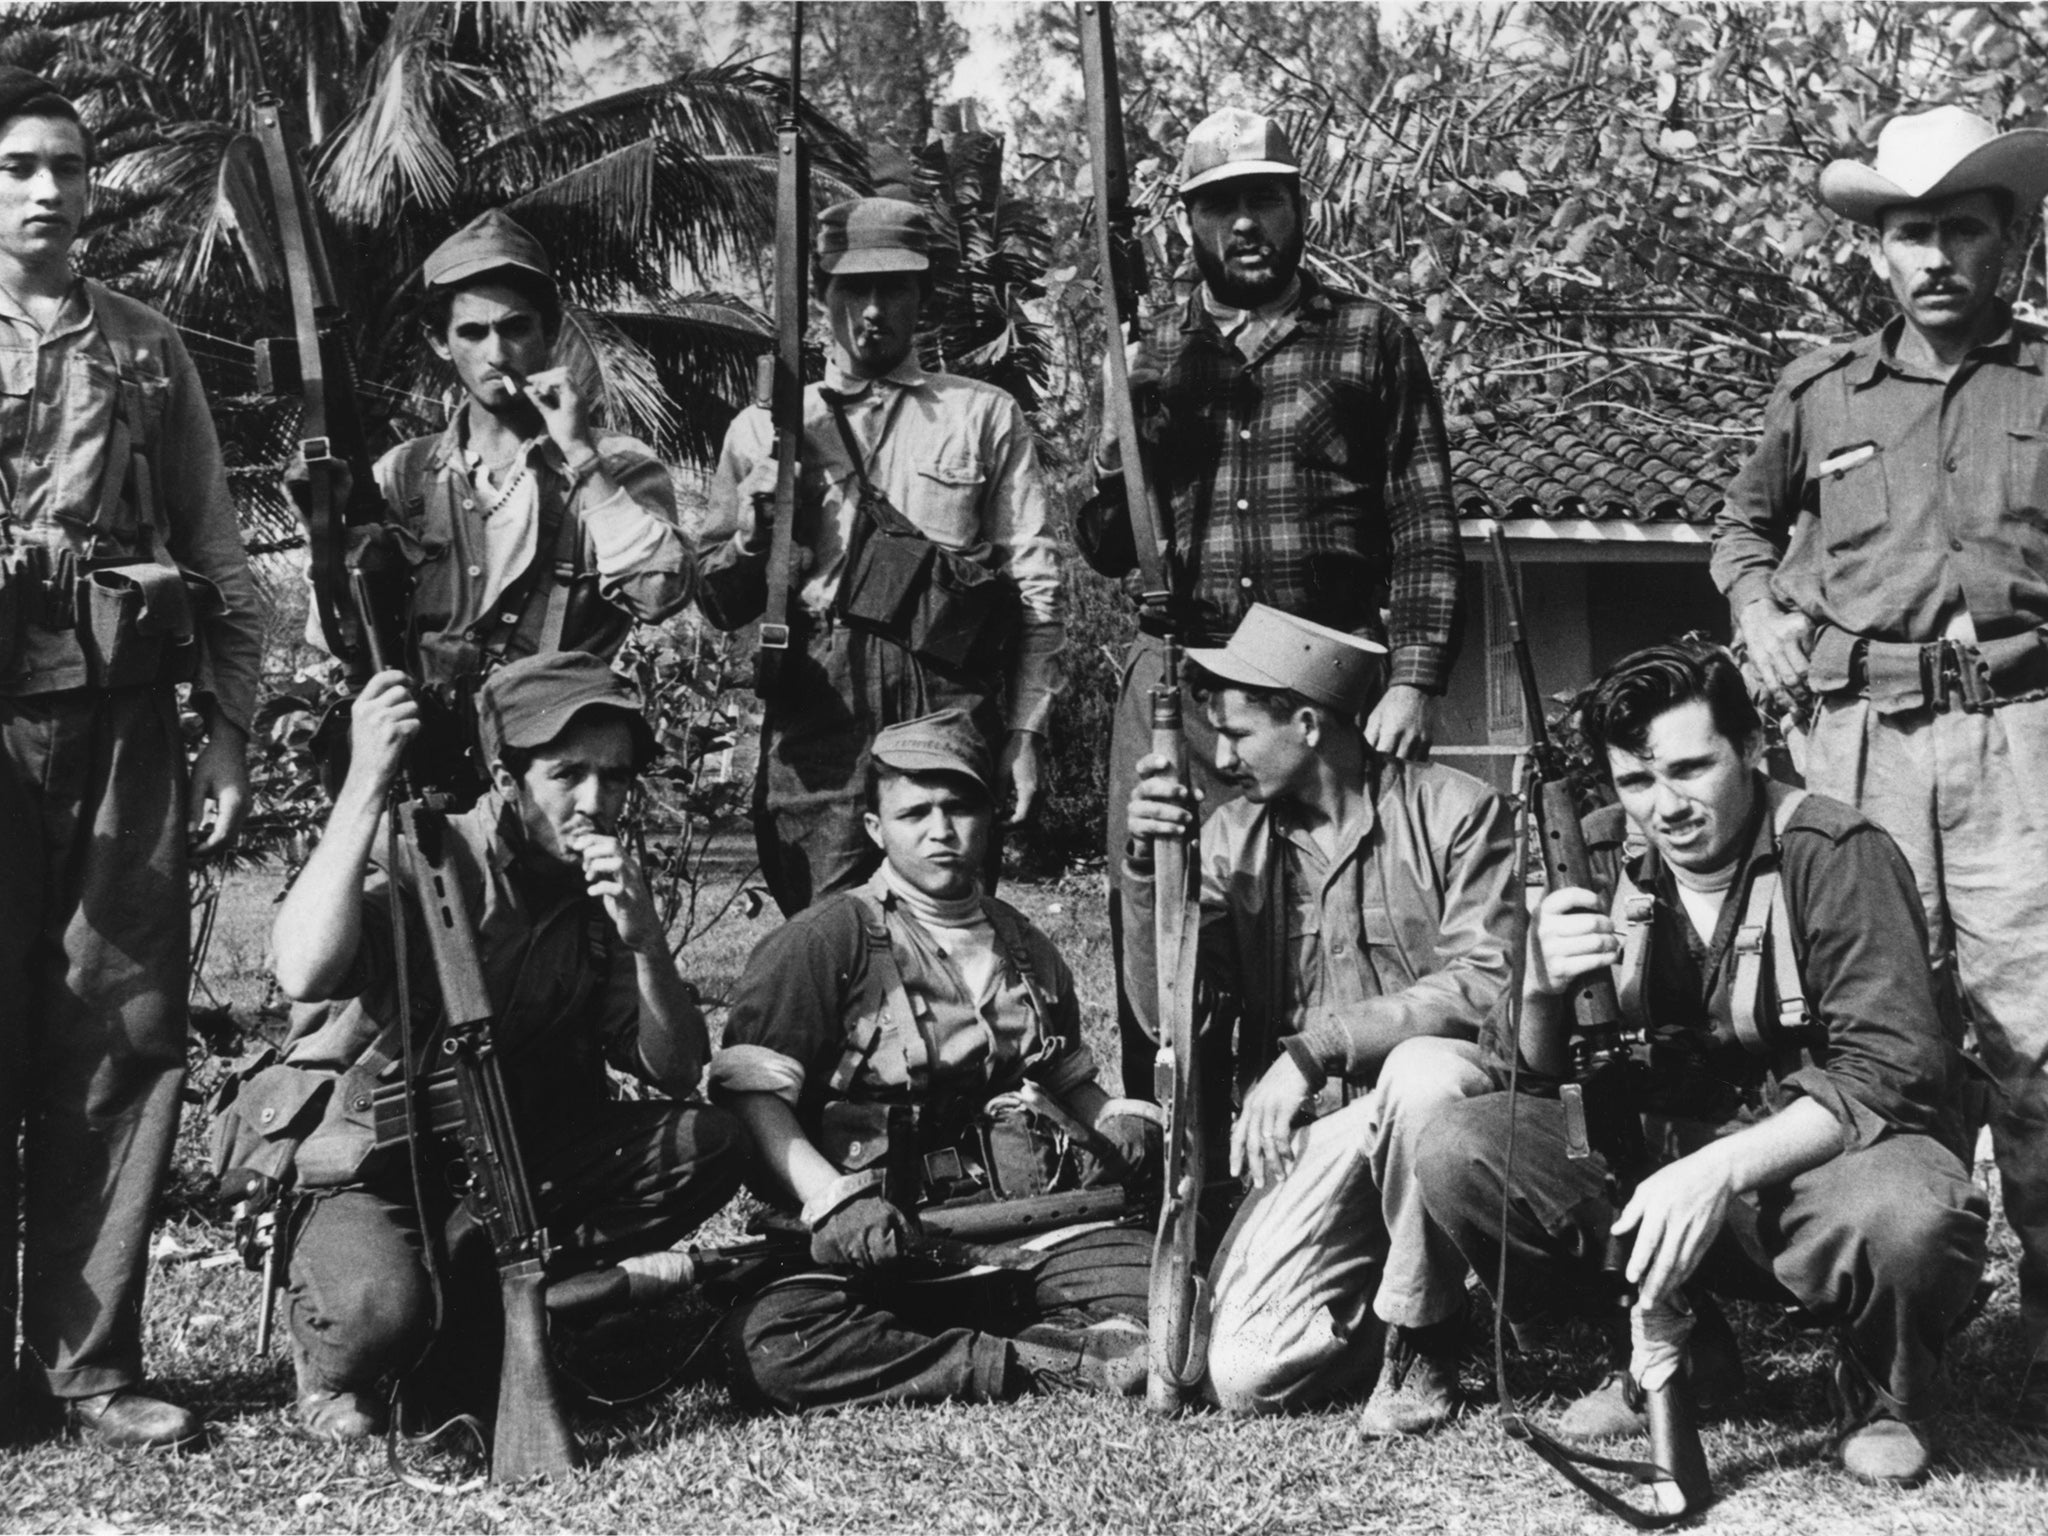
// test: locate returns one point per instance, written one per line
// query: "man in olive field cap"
(927, 576)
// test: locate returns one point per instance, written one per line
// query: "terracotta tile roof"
(1665, 463)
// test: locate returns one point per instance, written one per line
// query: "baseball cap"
(532, 701)
(1234, 143)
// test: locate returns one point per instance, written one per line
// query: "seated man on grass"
(1360, 913)
(903, 1046)
(1805, 1135)
(578, 966)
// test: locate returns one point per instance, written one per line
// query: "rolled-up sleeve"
(787, 1028)
(646, 563)
(733, 578)
(1019, 528)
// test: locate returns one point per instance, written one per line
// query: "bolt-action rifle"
(532, 1435)
(779, 386)
(1176, 1363)
(1601, 1096)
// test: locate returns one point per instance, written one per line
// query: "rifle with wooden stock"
(779, 382)
(1601, 1095)
(531, 1435)
(1176, 1361)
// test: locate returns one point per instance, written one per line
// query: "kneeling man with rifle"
(908, 1059)
(1359, 915)
(1790, 1113)
(579, 978)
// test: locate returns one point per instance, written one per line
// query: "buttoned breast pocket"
(945, 499)
(2026, 475)
(1855, 505)
(17, 387)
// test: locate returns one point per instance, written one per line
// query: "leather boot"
(125, 1419)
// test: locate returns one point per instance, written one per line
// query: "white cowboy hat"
(1936, 154)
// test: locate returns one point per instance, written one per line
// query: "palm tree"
(415, 118)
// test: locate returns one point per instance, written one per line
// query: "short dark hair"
(1276, 703)
(880, 773)
(438, 308)
(1627, 699)
(58, 108)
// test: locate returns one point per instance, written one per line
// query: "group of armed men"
(1372, 967)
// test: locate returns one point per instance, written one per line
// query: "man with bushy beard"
(1298, 446)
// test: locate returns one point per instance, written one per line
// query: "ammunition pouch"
(310, 1127)
(938, 604)
(944, 607)
(138, 623)
(1005, 1150)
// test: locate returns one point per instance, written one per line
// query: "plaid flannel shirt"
(1313, 476)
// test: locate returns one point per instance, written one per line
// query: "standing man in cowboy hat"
(887, 446)
(122, 574)
(527, 529)
(1361, 913)
(1299, 448)
(1884, 553)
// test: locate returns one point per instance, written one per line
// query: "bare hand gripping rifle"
(1608, 1067)
(1176, 1363)
(779, 387)
(531, 1436)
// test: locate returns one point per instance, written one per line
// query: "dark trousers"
(1885, 1242)
(94, 953)
(1131, 739)
(360, 1304)
(820, 1340)
(839, 688)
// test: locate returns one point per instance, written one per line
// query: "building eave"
(1593, 541)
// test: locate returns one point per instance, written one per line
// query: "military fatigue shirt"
(1888, 502)
(59, 393)
(1407, 925)
(953, 455)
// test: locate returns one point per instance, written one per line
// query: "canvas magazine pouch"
(936, 603)
(137, 623)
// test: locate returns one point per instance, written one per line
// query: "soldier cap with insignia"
(946, 742)
(530, 702)
(1234, 143)
(487, 243)
(1271, 649)
(873, 234)
(1926, 156)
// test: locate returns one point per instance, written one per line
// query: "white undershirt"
(1703, 896)
(960, 929)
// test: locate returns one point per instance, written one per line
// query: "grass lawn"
(686, 1462)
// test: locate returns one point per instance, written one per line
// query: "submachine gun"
(1608, 1071)
(531, 1435)
(1174, 1315)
